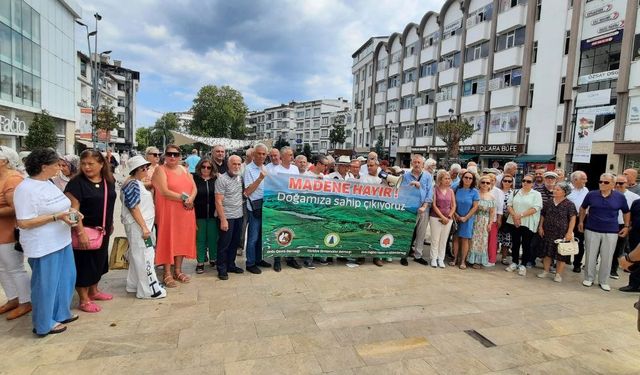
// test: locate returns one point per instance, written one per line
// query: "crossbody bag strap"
(104, 209)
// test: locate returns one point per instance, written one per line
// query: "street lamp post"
(390, 131)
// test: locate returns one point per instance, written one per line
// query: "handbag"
(17, 246)
(256, 207)
(567, 248)
(94, 234)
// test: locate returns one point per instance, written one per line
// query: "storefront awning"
(86, 143)
(467, 157)
(534, 158)
(183, 139)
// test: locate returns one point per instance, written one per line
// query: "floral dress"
(504, 235)
(555, 226)
(480, 240)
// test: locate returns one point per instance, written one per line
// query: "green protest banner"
(305, 216)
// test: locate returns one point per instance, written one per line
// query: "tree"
(306, 151)
(42, 132)
(280, 143)
(143, 136)
(337, 134)
(106, 119)
(218, 112)
(380, 145)
(160, 134)
(452, 133)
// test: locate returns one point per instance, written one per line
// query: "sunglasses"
(172, 154)
(467, 178)
(485, 183)
(604, 182)
(507, 181)
(206, 167)
(620, 183)
(527, 181)
(154, 154)
(144, 168)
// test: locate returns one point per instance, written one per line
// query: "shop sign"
(597, 77)
(502, 149)
(455, 25)
(13, 126)
(591, 98)
(583, 137)
(601, 17)
(634, 110)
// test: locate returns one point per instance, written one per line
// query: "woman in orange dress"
(175, 218)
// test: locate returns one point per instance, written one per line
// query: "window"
(449, 61)
(597, 60)
(316, 123)
(120, 102)
(407, 102)
(510, 39)
(6, 81)
(409, 75)
(474, 86)
(562, 86)
(370, 68)
(356, 77)
(428, 69)
(381, 86)
(316, 112)
(380, 108)
(396, 57)
(431, 39)
(299, 114)
(299, 125)
(307, 113)
(567, 41)
(120, 86)
(538, 9)
(531, 95)
(534, 53)
(382, 63)
(314, 147)
(447, 93)
(316, 136)
(411, 50)
(427, 130)
(392, 105)
(363, 73)
(324, 133)
(505, 5)
(323, 145)
(120, 117)
(477, 51)
(394, 81)
(307, 124)
(511, 77)
(325, 121)
(426, 97)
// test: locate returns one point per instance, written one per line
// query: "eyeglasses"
(604, 182)
(172, 154)
(619, 183)
(144, 168)
(527, 181)
(467, 178)
(206, 167)
(154, 154)
(507, 181)
(485, 183)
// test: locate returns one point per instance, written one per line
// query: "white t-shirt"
(280, 169)
(498, 194)
(34, 198)
(630, 197)
(311, 174)
(577, 196)
(337, 176)
(270, 167)
(369, 179)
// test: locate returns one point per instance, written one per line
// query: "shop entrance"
(593, 169)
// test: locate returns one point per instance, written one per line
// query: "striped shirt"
(131, 194)
(231, 189)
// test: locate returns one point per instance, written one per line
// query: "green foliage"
(452, 133)
(337, 133)
(380, 145)
(42, 132)
(280, 143)
(306, 151)
(218, 112)
(143, 135)
(106, 119)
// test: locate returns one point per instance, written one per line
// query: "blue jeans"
(254, 240)
(52, 285)
(227, 246)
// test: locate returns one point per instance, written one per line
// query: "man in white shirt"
(318, 170)
(578, 192)
(371, 156)
(372, 173)
(354, 169)
(623, 242)
(342, 166)
(510, 168)
(286, 165)
(274, 156)
(301, 163)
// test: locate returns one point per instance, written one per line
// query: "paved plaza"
(338, 320)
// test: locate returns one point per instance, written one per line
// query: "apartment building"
(300, 123)
(118, 89)
(510, 67)
(37, 65)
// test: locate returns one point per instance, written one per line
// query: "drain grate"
(480, 338)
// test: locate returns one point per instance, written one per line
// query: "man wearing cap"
(342, 166)
(422, 180)
(546, 189)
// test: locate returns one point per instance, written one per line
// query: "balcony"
(391, 116)
(481, 31)
(408, 88)
(508, 58)
(410, 62)
(380, 97)
(407, 115)
(394, 69)
(381, 74)
(429, 54)
(505, 97)
(472, 103)
(448, 77)
(424, 111)
(475, 68)
(450, 44)
(514, 17)
(393, 93)
(443, 107)
(378, 120)
(634, 77)
(427, 83)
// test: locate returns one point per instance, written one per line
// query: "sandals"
(72, 319)
(101, 296)
(476, 266)
(89, 307)
(452, 263)
(463, 266)
(59, 328)
(183, 278)
(169, 282)
(200, 269)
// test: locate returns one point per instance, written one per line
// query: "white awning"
(229, 144)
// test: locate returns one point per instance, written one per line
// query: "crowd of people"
(58, 212)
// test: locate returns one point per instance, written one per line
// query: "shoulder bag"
(567, 248)
(94, 234)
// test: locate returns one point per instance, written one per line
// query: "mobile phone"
(148, 242)
(184, 197)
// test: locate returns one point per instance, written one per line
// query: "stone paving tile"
(339, 358)
(119, 345)
(366, 334)
(512, 355)
(293, 364)
(456, 363)
(408, 367)
(313, 342)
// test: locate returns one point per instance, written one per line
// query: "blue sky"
(271, 51)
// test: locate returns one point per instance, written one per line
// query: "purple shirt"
(603, 211)
(443, 201)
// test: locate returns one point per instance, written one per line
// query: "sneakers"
(489, 265)
(522, 271)
(434, 263)
(309, 265)
(557, 278)
(441, 263)
(614, 275)
(421, 261)
(587, 283)
(543, 274)
(512, 267)
(605, 287)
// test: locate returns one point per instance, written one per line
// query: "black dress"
(556, 223)
(92, 264)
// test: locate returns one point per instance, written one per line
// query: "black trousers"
(577, 259)
(227, 244)
(521, 236)
(621, 248)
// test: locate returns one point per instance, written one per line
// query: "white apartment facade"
(37, 68)
(481, 60)
(300, 123)
(118, 89)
